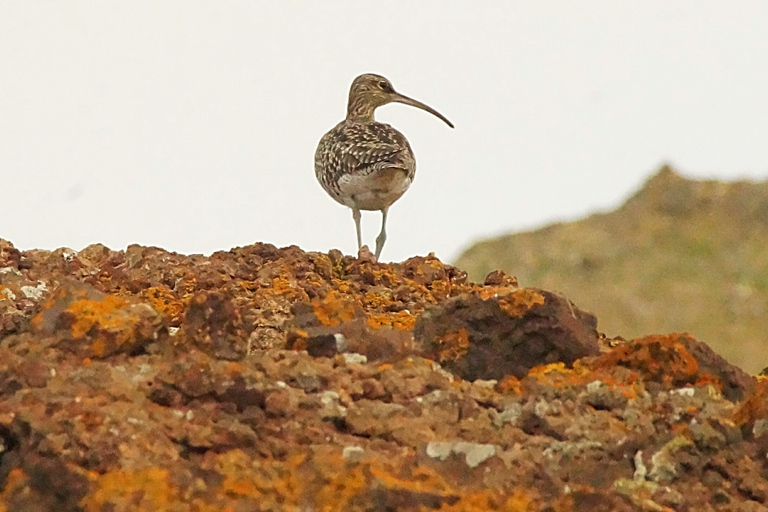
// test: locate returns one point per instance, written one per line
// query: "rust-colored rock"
(214, 325)
(678, 360)
(93, 324)
(277, 380)
(507, 335)
(333, 325)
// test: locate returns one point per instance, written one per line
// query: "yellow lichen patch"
(235, 466)
(163, 300)
(124, 491)
(434, 262)
(520, 502)
(538, 371)
(87, 313)
(273, 483)
(487, 500)
(342, 286)
(401, 320)
(452, 345)
(521, 301)
(487, 292)
(334, 309)
(440, 289)
(385, 277)
(340, 487)
(249, 286)
(285, 285)
(557, 375)
(376, 300)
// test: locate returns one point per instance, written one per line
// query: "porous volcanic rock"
(265, 379)
(491, 338)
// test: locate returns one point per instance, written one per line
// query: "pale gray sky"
(192, 125)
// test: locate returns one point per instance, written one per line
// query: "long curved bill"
(410, 101)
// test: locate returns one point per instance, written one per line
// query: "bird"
(364, 164)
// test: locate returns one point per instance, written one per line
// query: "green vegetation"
(679, 255)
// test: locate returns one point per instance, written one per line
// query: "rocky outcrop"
(265, 379)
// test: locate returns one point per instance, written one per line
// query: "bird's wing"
(361, 149)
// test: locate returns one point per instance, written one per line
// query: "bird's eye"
(385, 86)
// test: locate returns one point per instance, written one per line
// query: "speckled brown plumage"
(360, 149)
(363, 164)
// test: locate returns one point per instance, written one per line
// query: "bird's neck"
(360, 111)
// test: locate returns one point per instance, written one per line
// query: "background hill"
(679, 255)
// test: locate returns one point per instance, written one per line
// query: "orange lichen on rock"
(416, 391)
(89, 313)
(164, 301)
(520, 301)
(488, 500)
(340, 486)
(325, 481)
(510, 384)
(271, 482)
(557, 375)
(402, 320)
(440, 289)
(377, 299)
(111, 325)
(126, 491)
(341, 285)
(187, 285)
(334, 309)
(385, 277)
(96, 324)
(452, 345)
(285, 284)
(349, 486)
(552, 374)
(657, 358)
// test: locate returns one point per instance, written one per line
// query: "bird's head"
(370, 91)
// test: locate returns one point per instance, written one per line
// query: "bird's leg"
(383, 235)
(356, 216)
